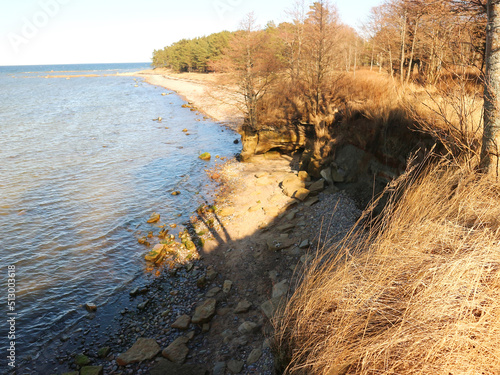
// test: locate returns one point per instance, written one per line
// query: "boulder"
(254, 356)
(280, 289)
(317, 186)
(205, 156)
(204, 312)
(301, 194)
(177, 351)
(291, 184)
(247, 328)
(154, 218)
(242, 307)
(81, 360)
(182, 322)
(155, 254)
(143, 349)
(235, 366)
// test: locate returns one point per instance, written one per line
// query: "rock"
(226, 287)
(327, 175)
(213, 292)
(142, 305)
(182, 322)
(211, 273)
(280, 289)
(90, 307)
(286, 227)
(177, 351)
(91, 370)
(242, 307)
(154, 218)
(190, 245)
(204, 312)
(311, 201)
(338, 175)
(304, 176)
(205, 156)
(103, 352)
(306, 258)
(304, 244)
(270, 307)
(291, 184)
(143, 349)
(205, 327)
(301, 194)
(219, 368)
(166, 367)
(81, 360)
(247, 328)
(317, 186)
(155, 254)
(276, 245)
(254, 356)
(235, 366)
(138, 290)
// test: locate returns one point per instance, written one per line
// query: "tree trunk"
(491, 134)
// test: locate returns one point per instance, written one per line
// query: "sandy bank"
(202, 90)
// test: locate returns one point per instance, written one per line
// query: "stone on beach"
(291, 184)
(182, 322)
(154, 218)
(204, 312)
(205, 156)
(155, 254)
(177, 351)
(242, 307)
(142, 350)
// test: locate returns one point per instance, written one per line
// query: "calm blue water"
(82, 168)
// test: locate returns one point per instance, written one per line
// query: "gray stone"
(204, 312)
(254, 356)
(247, 327)
(213, 292)
(103, 352)
(327, 175)
(142, 350)
(177, 351)
(235, 366)
(182, 322)
(226, 288)
(317, 186)
(304, 244)
(242, 307)
(219, 368)
(280, 289)
(270, 307)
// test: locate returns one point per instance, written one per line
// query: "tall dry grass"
(418, 292)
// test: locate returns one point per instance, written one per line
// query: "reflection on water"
(83, 166)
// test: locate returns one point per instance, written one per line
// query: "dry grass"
(419, 294)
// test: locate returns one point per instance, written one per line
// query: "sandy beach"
(210, 98)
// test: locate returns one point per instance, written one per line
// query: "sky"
(36, 32)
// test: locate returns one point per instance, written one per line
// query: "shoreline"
(202, 90)
(250, 247)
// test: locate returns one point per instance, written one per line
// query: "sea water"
(82, 167)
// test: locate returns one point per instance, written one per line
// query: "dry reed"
(417, 293)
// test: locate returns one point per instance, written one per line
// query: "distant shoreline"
(202, 90)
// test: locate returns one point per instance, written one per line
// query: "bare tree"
(491, 135)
